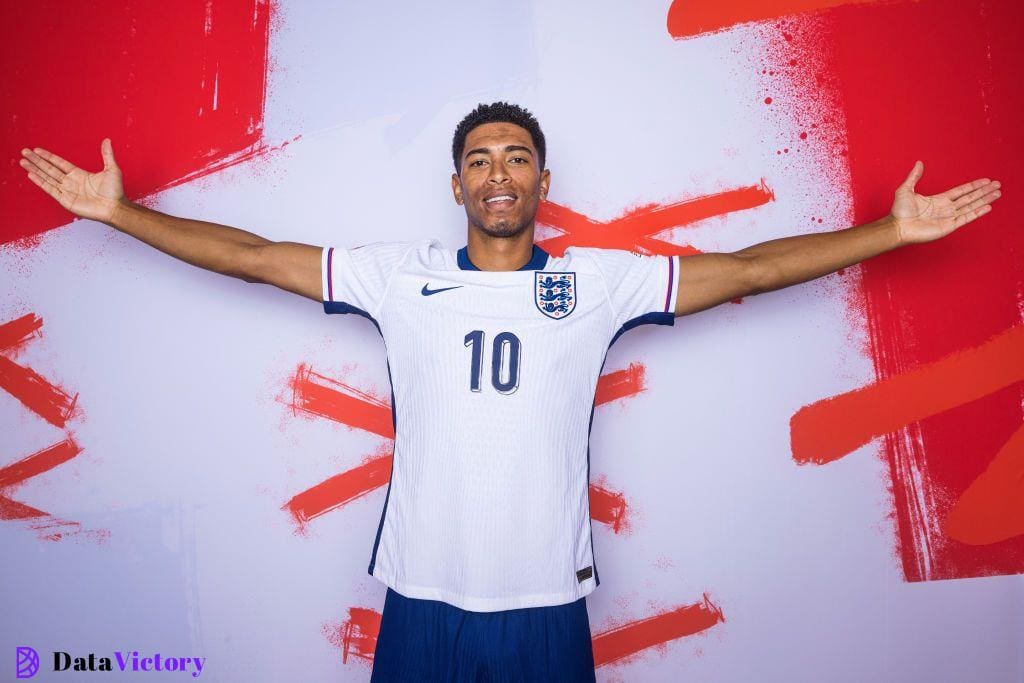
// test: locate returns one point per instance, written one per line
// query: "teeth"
(501, 198)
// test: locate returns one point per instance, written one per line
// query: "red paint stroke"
(322, 396)
(357, 636)
(17, 332)
(630, 639)
(992, 507)
(633, 230)
(340, 489)
(319, 395)
(925, 302)
(13, 475)
(689, 18)
(608, 507)
(211, 54)
(47, 400)
(254, 151)
(831, 428)
(50, 528)
(620, 383)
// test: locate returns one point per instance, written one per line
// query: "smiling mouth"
(502, 201)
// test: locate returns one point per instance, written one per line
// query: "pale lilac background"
(189, 451)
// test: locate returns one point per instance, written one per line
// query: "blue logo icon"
(427, 292)
(27, 662)
(555, 293)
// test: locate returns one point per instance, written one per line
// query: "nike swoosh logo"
(427, 292)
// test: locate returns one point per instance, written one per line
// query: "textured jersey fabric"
(493, 377)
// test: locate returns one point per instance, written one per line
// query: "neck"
(500, 253)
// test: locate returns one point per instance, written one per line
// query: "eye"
(478, 161)
(518, 159)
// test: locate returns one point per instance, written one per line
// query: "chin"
(503, 228)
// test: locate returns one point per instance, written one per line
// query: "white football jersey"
(493, 375)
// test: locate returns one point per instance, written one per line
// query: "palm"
(89, 195)
(923, 218)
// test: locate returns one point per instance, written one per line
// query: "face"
(501, 182)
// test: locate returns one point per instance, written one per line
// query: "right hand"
(89, 195)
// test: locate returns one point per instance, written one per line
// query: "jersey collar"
(537, 261)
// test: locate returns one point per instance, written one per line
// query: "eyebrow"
(508, 148)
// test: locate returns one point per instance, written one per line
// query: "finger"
(45, 166)
(980, 202)
(986, 189)
(47, 187)
(915, 175)
(107, 150)
(961, 190)
(965, 218)
(63, 164)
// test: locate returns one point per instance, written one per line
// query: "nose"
(498, 174)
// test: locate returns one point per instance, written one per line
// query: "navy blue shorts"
(430, 640)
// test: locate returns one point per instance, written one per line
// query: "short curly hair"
(496, 112)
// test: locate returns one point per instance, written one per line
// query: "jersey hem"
(484, 604)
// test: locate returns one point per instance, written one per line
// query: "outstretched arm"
(706, 280)
(219, 248)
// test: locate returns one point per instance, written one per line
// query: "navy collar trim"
(538, 260)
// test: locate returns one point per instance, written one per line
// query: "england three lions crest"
(555, 293)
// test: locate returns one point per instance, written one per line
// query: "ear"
(457, 188)
(545, 183)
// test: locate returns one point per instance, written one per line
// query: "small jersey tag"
(584, 574)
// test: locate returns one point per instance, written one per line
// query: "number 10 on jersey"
(505, 352)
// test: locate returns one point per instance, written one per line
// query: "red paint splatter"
(30, 466)
(322, 396)
(319, 395)
(689, 18)
(47, 526)
(620, 383)
(357, 636)
(633, 230)
(928, 301)
(608, 508)
(55, 406)
(829, 429)
(211, 55)
(634, 637)
(15, 333)
(47, 400)
(340, 489)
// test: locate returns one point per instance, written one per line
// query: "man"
(494, 353)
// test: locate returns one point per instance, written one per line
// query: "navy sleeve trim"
(342, 307)
(330, 275)
(654, 318)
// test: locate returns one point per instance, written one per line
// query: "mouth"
(500, 201)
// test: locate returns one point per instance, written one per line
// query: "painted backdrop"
(818, 483)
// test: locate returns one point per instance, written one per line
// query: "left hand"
(923, 219)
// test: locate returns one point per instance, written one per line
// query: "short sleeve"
(355, 280)
(641, 288)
